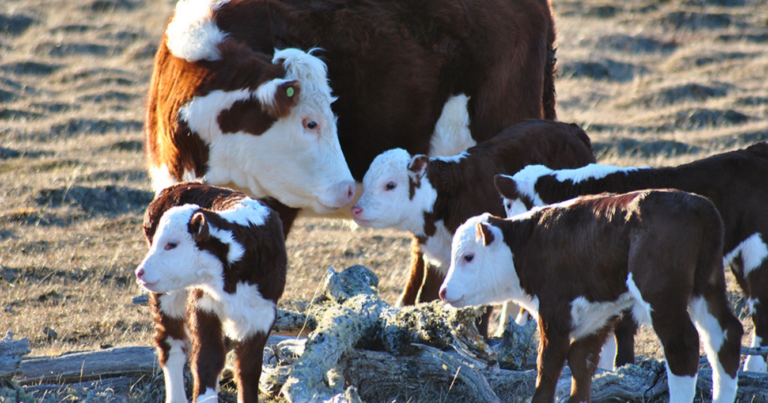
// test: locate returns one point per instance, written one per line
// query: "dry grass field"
(653, 83)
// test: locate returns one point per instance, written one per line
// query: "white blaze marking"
(452, 134)
(193, 35)
(753, 252)
(174, 372)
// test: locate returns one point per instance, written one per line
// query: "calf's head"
(482, 271)
(518, 191)
(396, 192)
(176, 259)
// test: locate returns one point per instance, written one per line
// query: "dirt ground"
(653, 82)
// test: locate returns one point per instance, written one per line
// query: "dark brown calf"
(216, 269)
(576, 265)
(734, 181)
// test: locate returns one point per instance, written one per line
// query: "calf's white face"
(482, 271)
(174, 261)
(387, 199)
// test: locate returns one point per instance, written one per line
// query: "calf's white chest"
(437, 249)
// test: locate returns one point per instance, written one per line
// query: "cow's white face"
(396, 192)
(298, 159)
(482, 270)
(174, 261)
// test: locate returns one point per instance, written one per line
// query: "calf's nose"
(357, 210)
(139, 272)
(442, 293)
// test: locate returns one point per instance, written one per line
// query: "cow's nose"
(442, 293)
(357, 210)
(139, 272)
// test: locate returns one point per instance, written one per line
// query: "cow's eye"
(391, 185)
(310, 124)
(171, 245)
(468, 257)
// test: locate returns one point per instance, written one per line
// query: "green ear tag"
(289, 92)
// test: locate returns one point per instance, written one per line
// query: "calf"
(431, 197)
(735, 182)
(576, 265)
(216, 269)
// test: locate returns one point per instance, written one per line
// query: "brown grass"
(650, 86)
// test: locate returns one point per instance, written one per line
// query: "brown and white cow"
(431, 197)
(216, 269)
(432, 77)
(576, 265)
(735, 182)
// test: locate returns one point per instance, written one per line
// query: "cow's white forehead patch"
(591, 171)
(192, 34)
(310, 71)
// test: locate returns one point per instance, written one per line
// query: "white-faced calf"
(216, 269)
(431, 197)
(734, 181)
(576, 265)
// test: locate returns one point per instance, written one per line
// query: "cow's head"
(396, 192)
(267, 126)
(482, 270)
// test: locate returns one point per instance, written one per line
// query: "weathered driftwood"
(11, 353)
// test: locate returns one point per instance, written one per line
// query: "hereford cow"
(431, 197)
(228, 252)
(417, 75)
(576, 265)
(735, 182)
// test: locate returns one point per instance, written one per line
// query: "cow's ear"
(198, 227)
(278, 99)
(484, 232)
(506, 186)
(418, 165)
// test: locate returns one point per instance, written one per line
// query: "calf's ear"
(418, 165)
(484, 231)
(198, 227)
(506, 186)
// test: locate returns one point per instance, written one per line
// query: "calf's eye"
(391, 185)
(171, 245)
(468, 257)
(311, 125)
(509, 206)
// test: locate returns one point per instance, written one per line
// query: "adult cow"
(430, 76)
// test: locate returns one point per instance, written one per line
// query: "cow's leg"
(583, 361)
(553, 350)
(416, 279)
(249, 354)
(608, 353)
(433, 279)
(721, 333)
(624, 332)
(169, 312)
(208, 350)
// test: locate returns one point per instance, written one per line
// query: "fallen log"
(11, 353)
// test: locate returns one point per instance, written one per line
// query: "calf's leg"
(416, 278)
(583, 358)
(625, 331)
(169, 314)
(758, 307)
(553, 350)
(208, 354)
(249, 355)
